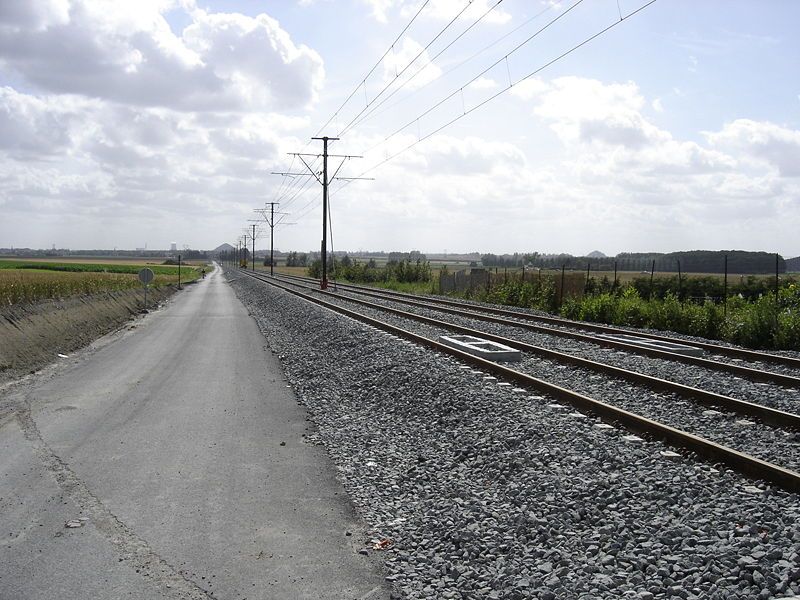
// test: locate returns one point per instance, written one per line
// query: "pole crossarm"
(324, 181)
(329, 155)
(311, 171)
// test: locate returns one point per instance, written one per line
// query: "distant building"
(173, 246)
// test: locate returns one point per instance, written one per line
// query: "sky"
(510, 126)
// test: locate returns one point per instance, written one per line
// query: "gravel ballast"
(484, 492)
(742, 433)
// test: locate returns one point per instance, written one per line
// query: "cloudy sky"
(133, 122)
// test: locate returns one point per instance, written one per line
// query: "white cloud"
(34, 15)
(380, 8)
(447, 9)
(128, 53)
(439, 10)
(483, 83)
(529, 88)
(778, 146)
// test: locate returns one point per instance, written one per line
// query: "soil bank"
(32, 335)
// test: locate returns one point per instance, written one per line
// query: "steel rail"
(739, 370)
(745, 464)
(768, 415)
(754, 355)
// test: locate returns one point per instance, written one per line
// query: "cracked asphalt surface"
(175, 453)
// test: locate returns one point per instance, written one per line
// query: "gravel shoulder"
(486, 493)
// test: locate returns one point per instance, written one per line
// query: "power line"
(375, 66)
(407, 81)
(376, 112)
(291, 189)
(511, 84)
(293, 184)
(413, 60)
(482, 73)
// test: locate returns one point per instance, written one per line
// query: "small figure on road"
(203, 271)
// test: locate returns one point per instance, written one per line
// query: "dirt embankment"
(33, 335)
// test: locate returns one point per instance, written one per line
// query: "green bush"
(398, 271)
(752, 324)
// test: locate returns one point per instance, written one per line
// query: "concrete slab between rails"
(482, 348)
(651, 344)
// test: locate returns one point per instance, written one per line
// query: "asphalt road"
(163, 445)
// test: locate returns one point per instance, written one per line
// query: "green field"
(35, 280)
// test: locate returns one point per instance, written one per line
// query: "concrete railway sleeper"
(741, 462)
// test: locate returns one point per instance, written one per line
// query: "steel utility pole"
(253, 260)
(271, 222)
(272, 238)
(325, 181)
(324, 284)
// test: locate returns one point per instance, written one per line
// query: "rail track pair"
(744, 463)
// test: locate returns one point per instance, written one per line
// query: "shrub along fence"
(748, 313)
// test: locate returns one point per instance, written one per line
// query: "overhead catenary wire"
(482, 73)
(375, 110)
(299, 192)
(279, 189)
(375, 66)
(494, 96)
(431, 61)
(411, 62)
(305, 182)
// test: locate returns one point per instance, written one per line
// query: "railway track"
(742, 462)
(522, 320)
(777, 418)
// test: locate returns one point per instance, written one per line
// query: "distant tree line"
(694, 261)
(297, 259)
(399, 268)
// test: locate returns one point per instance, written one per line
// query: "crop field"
(31, 281)
(110, 260)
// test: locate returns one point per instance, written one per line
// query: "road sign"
(146, 276)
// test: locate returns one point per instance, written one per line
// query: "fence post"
(561, 296)
(615, 274)
(777, 285)
(680, 280)
(652, 271)
(588, 271)
(505, 274)
(725, 290)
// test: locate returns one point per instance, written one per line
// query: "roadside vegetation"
(29, 281)
(694, 306)
(688, 304)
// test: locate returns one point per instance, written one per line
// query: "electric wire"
(482, 73)
(489, 99)
(375, 112)
(375, 66)
(432, 60)
(413, 60)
